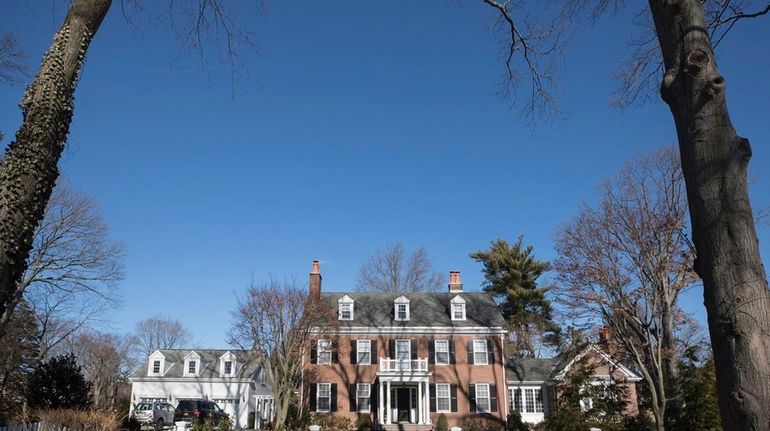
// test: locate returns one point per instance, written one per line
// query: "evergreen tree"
(17, 357)
(511, 273)
(59, 384)
(698, 382)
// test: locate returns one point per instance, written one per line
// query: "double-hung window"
(324, 397)
(443, 402)
(191, 367)
(363, 395)
(324, 351)
(458, 311)
(156, 367)
(480, 352)
(228, 367)
(364, 352)
(482, 398)
(402, 311)
(346, 311)
(442, 352)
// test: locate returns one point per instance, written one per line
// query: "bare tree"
(279, 322)
(391, 269)
(160, 333)
(106, 362)
(624, 263)
(73, 271)
(12, 67)
(714, 160)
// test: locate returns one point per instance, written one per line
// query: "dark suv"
(187, 410)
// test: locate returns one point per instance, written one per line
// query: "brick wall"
(461, 373)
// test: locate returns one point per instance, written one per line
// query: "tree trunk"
(714, 162)
(30, 167)
(670, 365)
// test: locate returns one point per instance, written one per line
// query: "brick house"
(404, 359)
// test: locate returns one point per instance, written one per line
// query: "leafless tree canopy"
(391, 269)
(12, 68)
(279, 322)
(106, 361)
(160, 333)
(624, 263)
(73, 270)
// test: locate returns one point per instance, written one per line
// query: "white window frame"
(324, 347)
(526, 394)
(225, 371)
(318, 397)
(477, 352)
(405, 312)
(346, 307)
(439, 397)
(458, 308)
(479, 398)
(359, 350)
(436, 351)
(408, 344)
(363, 391)
(401, 301)
(156, 363)
(191, 363)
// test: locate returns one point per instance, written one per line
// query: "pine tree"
(59, 384)
(511, 273)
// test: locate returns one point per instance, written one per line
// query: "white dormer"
(457, 308)
(192, 364)
(401, 308)
(345, 308)
(228, 365)
(157, 364)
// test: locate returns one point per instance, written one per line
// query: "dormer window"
(457, 308)
(156, 365)
(401, 311)
(345, 311)
(192, 364)
(227, 364)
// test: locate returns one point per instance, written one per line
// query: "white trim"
(328, 349)
(318, 396)
(424, 330)
(358, 351)
(358, 397)
(630, 375)
(486, 352)
(435, 352)
(346, 300)
(488, 397)
(457, 300)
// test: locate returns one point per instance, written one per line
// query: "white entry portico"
(403, 391)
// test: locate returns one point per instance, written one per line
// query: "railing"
(387, 364)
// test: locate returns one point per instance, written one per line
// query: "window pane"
(363, 350)
(156, 367)
(442, 398)
(529, 397)
(480, 352)
(324, 396)
(482, 398)
(191, 367)
(228, 367)
(324, 351)
(442, 351)
(402, 349)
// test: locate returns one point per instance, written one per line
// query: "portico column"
(426, 399)
(420, 406)
(387, 404)
(380, 410)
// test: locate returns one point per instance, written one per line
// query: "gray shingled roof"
(530, 369)
(247, 364)
(375, 309)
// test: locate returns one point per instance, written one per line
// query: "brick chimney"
(315, 281)
(606, 341)
(455, 285)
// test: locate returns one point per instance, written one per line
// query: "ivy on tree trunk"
(29, 169)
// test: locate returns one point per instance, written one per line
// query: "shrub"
(250, 421)
(441, 423)
(514, 422)
(482, 424)
(364, 423)
(78, 420)
(332, 423)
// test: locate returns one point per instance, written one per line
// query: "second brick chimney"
(455, 285)
(315, 281)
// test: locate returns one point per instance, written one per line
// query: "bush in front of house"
(482, 424)
(441, 423)
(514, 422)
(329, 422)
(92, 420)
(364, 423)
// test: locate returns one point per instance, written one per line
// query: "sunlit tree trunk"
(29, 169)
(715, 161)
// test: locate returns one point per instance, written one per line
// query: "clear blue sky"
(357, 125)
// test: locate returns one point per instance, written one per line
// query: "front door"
(403, 400)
